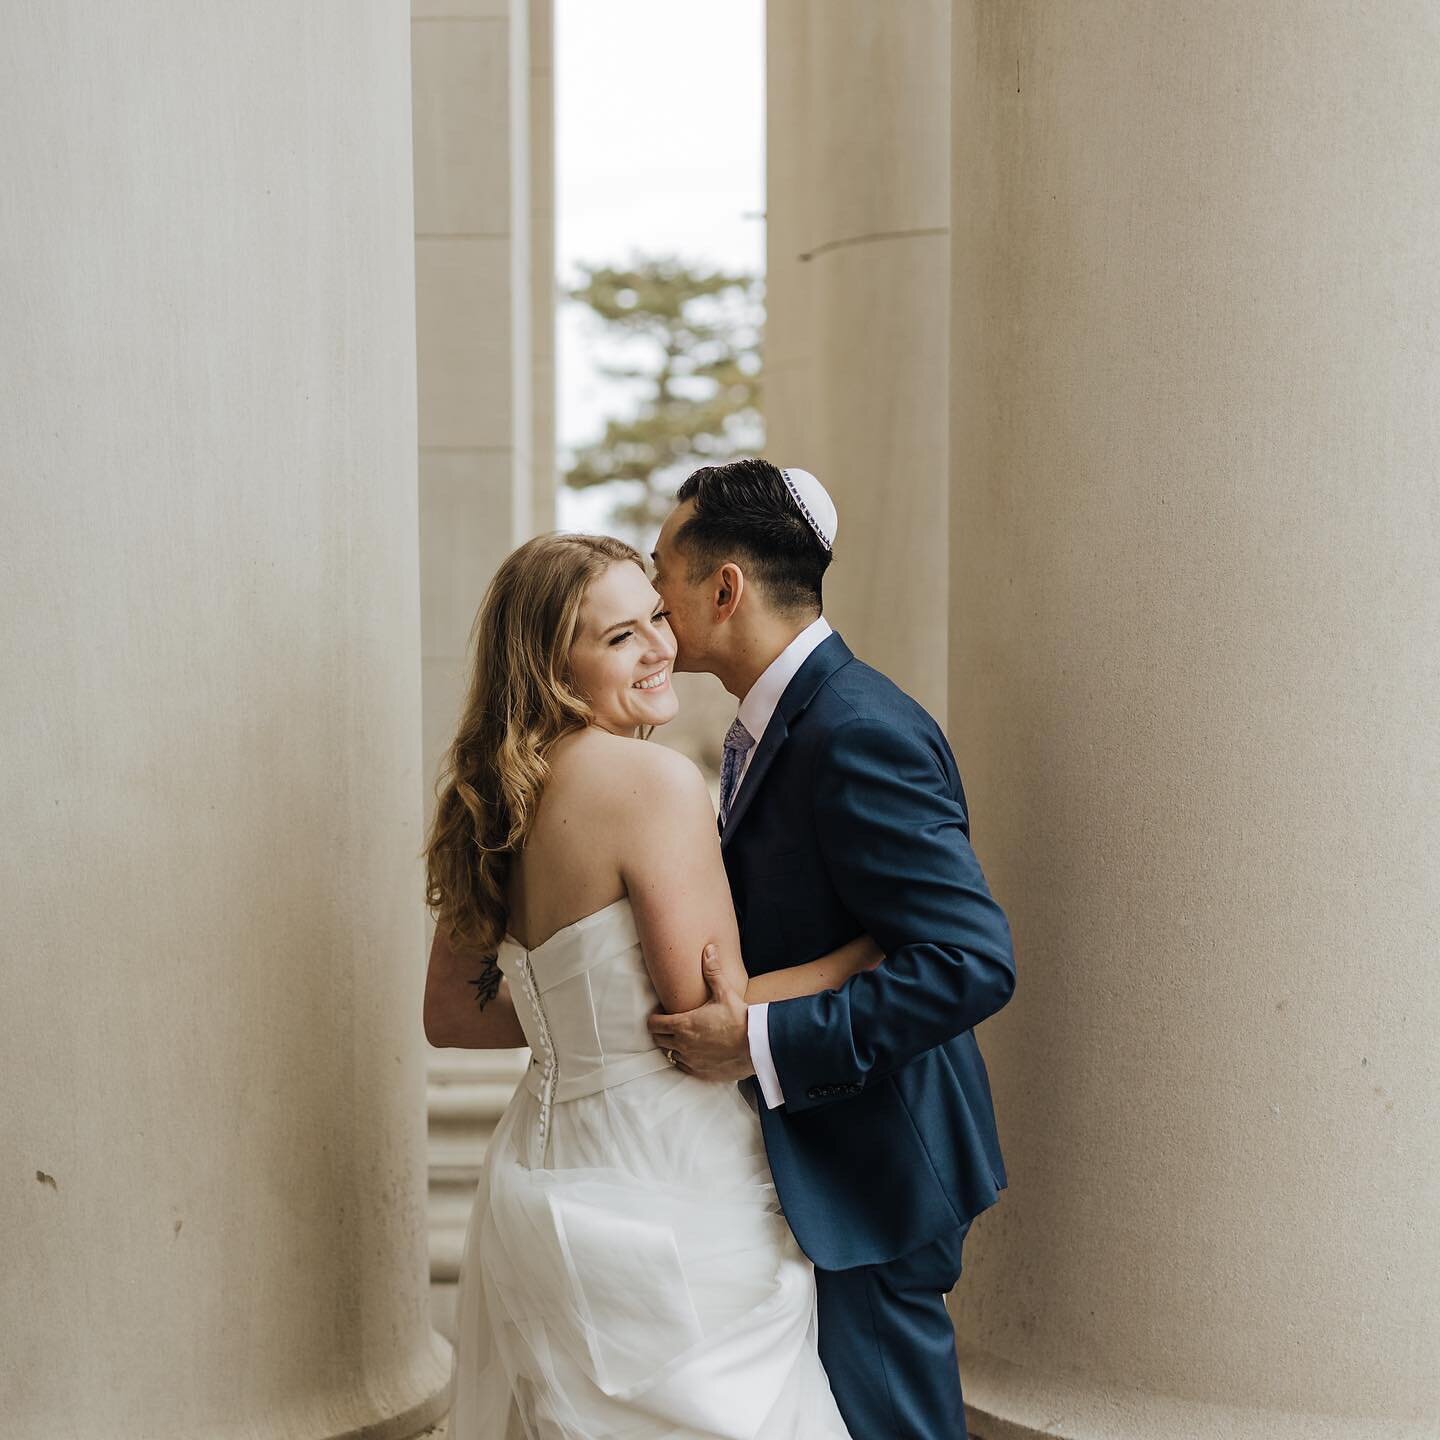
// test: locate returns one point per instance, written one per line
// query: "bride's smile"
(623, 651)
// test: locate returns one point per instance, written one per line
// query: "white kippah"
(815, 504)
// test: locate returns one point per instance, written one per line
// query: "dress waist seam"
(603, 1077)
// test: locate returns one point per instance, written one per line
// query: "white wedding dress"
(627, 1273)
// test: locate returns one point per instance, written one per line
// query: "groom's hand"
(712, 1042)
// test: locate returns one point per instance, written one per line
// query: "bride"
(627, 1271)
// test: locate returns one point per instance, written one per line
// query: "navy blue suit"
(852, 818)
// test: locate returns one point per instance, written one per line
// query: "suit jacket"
(852, 818)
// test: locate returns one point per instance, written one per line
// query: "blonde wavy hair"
(521, 701)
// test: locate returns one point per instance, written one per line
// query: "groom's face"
(689, 602)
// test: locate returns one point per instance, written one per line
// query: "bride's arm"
(668, 854)
(829, 972)
(467, 1000)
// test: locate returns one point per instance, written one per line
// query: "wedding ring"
(670, 1056)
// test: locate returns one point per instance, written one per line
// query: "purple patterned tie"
(738, 741)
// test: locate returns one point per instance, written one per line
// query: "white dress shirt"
(756, 711)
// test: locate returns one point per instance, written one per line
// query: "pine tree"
(691, 340)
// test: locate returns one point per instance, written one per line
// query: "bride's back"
(571, 864)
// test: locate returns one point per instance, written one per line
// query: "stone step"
(464, 1102)
(466, 1093)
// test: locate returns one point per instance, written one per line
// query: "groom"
(842, 812)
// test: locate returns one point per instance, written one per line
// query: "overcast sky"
(660, 147)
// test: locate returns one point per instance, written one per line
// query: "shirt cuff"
(758, 1028)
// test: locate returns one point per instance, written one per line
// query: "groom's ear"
(730, 586)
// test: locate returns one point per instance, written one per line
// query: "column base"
(401, 1406)
(1007, 1402)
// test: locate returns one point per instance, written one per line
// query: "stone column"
(484, 237)
(1195, 362)
(471, 66)
(543, 289)
(856, 329)
(213, 1069)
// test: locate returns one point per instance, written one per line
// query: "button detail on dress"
(550, 1068)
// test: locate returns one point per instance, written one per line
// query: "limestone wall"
(856, 336)
(213, 1075)
(1195, 356)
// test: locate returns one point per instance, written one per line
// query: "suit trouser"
(888, 1346)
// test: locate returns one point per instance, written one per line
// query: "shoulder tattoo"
(487, 982)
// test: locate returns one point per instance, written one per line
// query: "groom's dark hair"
(744, 510)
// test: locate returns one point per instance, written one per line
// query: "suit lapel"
(822, 662)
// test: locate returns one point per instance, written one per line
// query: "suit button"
(813, 1093)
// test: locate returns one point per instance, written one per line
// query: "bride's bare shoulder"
(619, 772)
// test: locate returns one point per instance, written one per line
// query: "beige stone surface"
(467, 342)
(481, 10)
(479, 133)
(462, 128)
(857, 327)
(543, 287)
(467, 527)
(213, 1074)
(1195, 596)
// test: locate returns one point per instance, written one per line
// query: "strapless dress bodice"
(582, 998)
